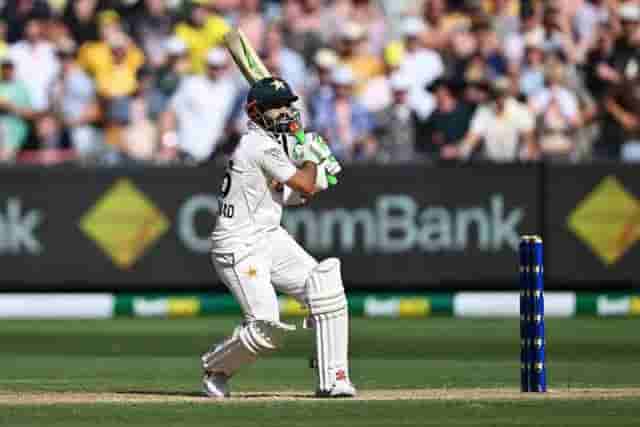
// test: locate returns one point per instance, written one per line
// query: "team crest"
(277, 85)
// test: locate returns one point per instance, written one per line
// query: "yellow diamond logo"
(607, 220)
(124, 223)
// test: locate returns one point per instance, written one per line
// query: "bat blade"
(245, 57)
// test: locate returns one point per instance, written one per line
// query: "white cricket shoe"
(341, 388)
(215, 385)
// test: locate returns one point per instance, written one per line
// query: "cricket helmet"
(270, 93)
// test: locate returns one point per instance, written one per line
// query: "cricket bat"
(245, 57)
(253, 69)
(251, 66)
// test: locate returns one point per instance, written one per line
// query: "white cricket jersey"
(248, 207)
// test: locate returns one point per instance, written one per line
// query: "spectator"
(557, 110)
(80, 18)
(344, 121)
(289, 64)
(132, 59)
(626, 56)
(367, 13)
(15, 111)
(377, 93)
(95, 56)
(336, 15)
(439, 23)
(351, 49)
(424, 65)
(621, 123)
(151, 26)
(589, 17)
(49, 134)
(306, 14)
(200, 32)
(303, 26)
(421, 65)
(504, 17)
(489, 49)
(448, 123)
(251, 21)
(175, 68)
(74, 100)
(116, 77)
(600, 71)
(476, 92)
(149, 93)
(113, 62)
(57, 32)
(319, 84)
(515, 43)
(462, 49)
(16, 13)
(35, 63)
(140, 137)
(504, 126)
(196, 121)
(532, 73)
(395, 125)
(558, 35)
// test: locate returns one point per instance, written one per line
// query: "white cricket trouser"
(276, 262)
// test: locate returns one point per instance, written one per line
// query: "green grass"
(322, 414)
(147, 356)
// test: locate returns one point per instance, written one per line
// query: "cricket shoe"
(215, 385)
(341, 388)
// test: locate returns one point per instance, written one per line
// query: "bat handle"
(300, 137)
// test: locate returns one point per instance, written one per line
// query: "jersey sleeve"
(273, 160)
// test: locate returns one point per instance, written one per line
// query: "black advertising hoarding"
(148, 228)
(593, 224)
(414, 226)
(86, 228)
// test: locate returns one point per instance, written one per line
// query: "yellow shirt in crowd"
(513, 7)
(200, 40)
(112, 79)
(364, 68)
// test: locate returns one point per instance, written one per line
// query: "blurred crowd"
(115, 82)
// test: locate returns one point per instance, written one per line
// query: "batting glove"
(319, 147)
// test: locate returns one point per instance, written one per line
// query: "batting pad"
(243, 347)
(329, 318)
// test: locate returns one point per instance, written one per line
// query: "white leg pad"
(243, 347)
(329, 318)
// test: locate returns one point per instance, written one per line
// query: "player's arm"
(304, 179)
(307, 179)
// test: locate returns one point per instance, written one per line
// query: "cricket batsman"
(254, 256)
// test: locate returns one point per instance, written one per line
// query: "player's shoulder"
(260, 138)
(256, 143)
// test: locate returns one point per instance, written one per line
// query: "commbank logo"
(18, 227)
(396, 223)
(607, 220)
(124, 223)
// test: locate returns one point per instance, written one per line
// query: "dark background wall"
(394, 227)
